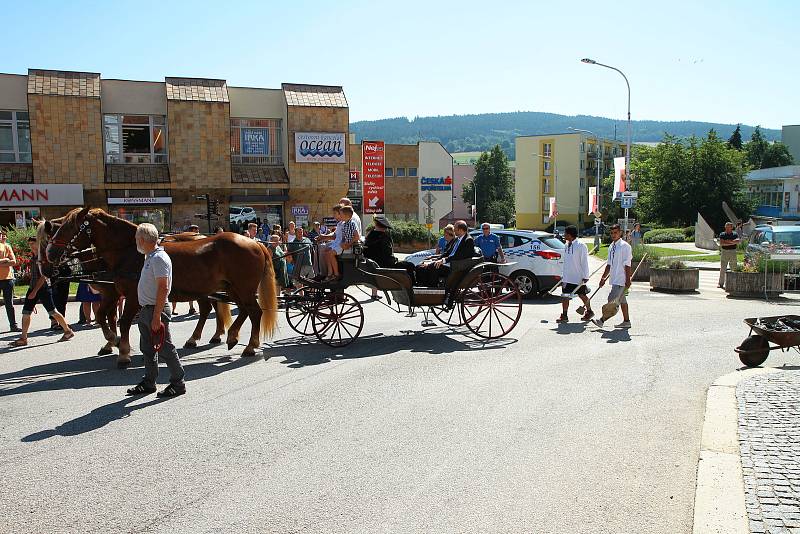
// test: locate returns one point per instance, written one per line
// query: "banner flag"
(620, 177)
(592, 200)
(553, 208)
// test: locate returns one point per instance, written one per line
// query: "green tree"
(777, 155)
(677, 179)
(735, 140)
(756, 149)
(495, 187)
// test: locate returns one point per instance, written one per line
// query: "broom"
(610, 309)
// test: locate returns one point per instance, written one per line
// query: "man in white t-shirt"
(618, 270)
(574, 274)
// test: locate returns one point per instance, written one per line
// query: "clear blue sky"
(718, 61)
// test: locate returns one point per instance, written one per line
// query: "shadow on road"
(616, 336)
(97, 418)
(433, 341)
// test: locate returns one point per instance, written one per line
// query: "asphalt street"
(553, 429)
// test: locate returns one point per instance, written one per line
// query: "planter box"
(643, 274)
(752, 284)
(675, 279)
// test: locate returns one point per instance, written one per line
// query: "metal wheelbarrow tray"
(755, 348)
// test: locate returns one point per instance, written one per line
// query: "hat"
(383, 221)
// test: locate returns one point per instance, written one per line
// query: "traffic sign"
(630, 194)
(627, 202)
(428, 199)
(429, 225)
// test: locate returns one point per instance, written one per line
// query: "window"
(583, 183)
(135, 138)
(256, 141)
(546, 167)
(583, 146)
(15, 137)
(546, 186)
(545, 219)
(547, 148)
(412, 171)
(511, 241)
(400, 172)
(582, 164)
(546, 204)
(389, 172)
(581, 197)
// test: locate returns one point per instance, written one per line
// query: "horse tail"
(268, 297)
(223, 310)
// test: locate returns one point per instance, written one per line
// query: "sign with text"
(439, 183)
(255, 142)
(140, 200)
(299, 211)
(354, 182)
(372, 164)
(41, 195)
(319, 147)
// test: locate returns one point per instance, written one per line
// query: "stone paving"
(769, 440)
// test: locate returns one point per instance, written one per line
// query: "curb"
(719, 493)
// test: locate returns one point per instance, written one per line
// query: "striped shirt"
(349, 230)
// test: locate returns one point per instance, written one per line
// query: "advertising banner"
(553, 208)
(592, 200)
(374, 192)
(41, 195)
(140, 200)
(354, 183)
(315, 147)
(301, 210)
(255, 142)
(620, 177)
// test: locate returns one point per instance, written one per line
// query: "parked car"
(767, 237)
(591, 230)
(241, 215)
(533, 259)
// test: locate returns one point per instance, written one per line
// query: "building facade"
(462, 175)
(563, 166)
(415, 175)
(790, 136)
(145, 151)
(776, 191)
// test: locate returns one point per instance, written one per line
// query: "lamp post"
(628, 149)
(599, 160)
(555, 181)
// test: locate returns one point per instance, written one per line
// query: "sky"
(715, 61)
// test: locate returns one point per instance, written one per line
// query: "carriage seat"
(459, 269)
(392, 279)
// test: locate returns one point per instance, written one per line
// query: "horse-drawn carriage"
(474, 295)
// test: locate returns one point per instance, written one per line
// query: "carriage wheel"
(300, 310)
(492, 306)
(337, 319)
(450, 317)
(758, 348)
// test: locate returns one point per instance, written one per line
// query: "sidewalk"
(748, 478)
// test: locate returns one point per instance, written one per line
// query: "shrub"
(408, 232)
(18, 239)
(668, 235)
(669, 264)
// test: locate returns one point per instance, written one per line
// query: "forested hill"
(466, 133)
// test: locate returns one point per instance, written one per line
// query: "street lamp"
(555, 182)
(628, 151)
(599, 161)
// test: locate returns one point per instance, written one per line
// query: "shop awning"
(16, 173)
(137, 174)
(258, 174)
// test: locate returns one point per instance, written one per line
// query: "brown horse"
(225, 262)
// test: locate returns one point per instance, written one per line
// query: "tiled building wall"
(67, 140)
(318, 185)
(199, 154)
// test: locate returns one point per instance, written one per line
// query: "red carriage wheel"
(450, 317)
(492, 306)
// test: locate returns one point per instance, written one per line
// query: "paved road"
(556, 429)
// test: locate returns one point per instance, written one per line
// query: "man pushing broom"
(618, 270)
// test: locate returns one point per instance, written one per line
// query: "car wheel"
(526, 282)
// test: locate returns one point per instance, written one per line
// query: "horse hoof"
(123, 365)
(248, 353)
(215, 341)
(232, 343)
(104, 352)
(190, 344)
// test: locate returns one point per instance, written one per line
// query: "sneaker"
(598, 323)
(623, 324)
(563, 318)
(587, 316)
(15, 328)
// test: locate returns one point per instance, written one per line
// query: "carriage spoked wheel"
(491, 306)
(300, 309)
(450, 317)
(337, 319)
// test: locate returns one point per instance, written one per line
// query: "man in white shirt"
(574, 274)
(618, 269)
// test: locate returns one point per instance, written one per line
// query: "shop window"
(135, 138)
(400, 172)
(256, 141)
(389, 172)
(15, 137)
(412, 171)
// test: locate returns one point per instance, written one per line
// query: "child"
(348, 232)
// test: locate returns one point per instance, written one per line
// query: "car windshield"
(234, 210)
(790, 239)
(552, 242)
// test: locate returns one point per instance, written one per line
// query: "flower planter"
(739, 284)
(675, 279)
(643, 274)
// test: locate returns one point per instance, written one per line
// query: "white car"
(241, 215)
(533, 259)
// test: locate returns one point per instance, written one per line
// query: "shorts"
(337, 250)
(569, 289)
(44, 296)
(615, 293)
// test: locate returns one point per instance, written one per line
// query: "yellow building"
(563, 166)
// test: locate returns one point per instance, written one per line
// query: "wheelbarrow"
(782, 330)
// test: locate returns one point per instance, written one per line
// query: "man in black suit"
(460, 248)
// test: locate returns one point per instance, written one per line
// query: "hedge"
(669, 235)
(407, 232)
